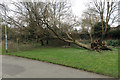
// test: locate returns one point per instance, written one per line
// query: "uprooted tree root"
(99, 45)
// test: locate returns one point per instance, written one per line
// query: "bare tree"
(53, 16)
(68, 37)
(105, 9)
(89, 19)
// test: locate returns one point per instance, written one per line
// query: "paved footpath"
(16, 67)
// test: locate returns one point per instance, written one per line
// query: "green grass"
(105, 62)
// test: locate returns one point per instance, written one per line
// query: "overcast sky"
(78, 6)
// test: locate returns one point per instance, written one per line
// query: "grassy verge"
(105, 62)
(15, 47)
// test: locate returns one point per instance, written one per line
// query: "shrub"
(114, 34)
(113, 43)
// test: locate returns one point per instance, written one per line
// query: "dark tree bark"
(42, 43)
(68, 43)
(47, 42)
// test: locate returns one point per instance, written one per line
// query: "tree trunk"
(91, 38)
(36, 38)
(107, 17)
(101, 15)
(42, 44)
(47, 42)
(68, 43)
(82, 45)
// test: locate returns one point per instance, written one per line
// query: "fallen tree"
(68, 37)
(46, 18)
(96, 45)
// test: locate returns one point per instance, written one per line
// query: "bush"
(113, 43)
(114, 34)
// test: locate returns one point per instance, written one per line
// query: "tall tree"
(89, 20)
(105, 9)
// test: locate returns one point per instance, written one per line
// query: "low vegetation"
(114, 43)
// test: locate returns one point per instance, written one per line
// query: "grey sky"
(78, 6)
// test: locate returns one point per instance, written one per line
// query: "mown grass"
(105, 62)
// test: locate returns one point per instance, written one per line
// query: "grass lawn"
(105, 62)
